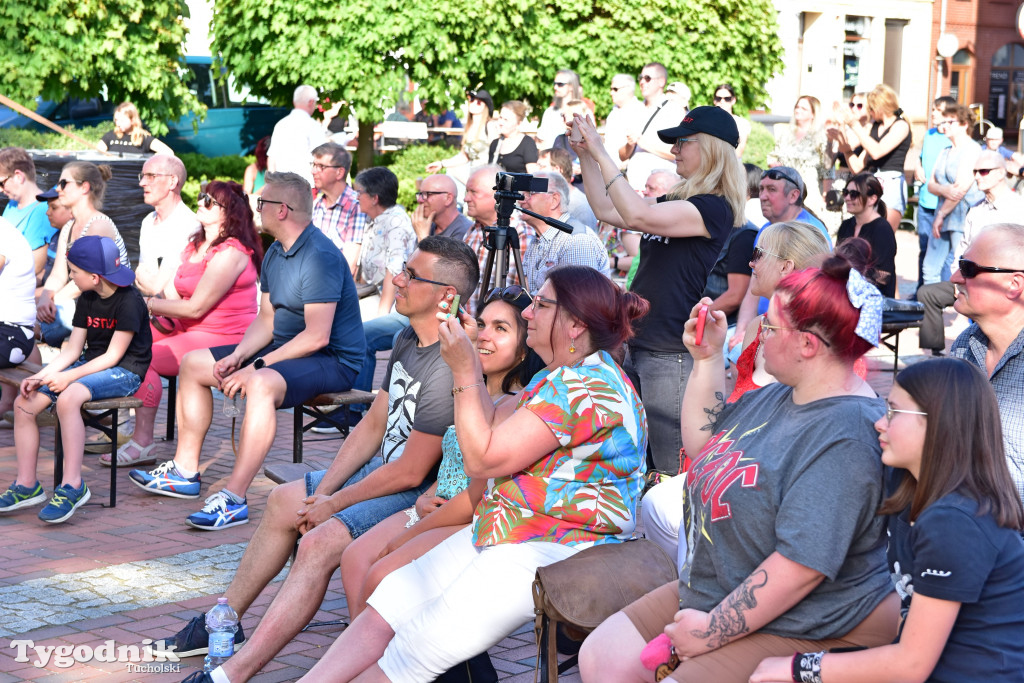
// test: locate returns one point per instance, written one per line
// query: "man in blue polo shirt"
(307, 340)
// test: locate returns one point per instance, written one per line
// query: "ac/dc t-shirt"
(122, 311)
(953, 553)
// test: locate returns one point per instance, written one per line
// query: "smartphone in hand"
(702, 318)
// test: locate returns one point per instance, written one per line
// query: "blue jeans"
(380, 336)
(361, 517)
(939, 257)
(661, 380)
(115, 382)
(56, 332)
(925, 220)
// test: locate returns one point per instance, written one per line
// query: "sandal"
(125, 456)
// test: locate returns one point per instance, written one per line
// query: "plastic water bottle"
(221, 624)
(233, 407)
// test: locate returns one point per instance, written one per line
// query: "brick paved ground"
(138, 572)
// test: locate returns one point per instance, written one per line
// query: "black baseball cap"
(714, 121)
(484, 97)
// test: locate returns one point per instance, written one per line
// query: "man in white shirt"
(166, 231)
(296, 135)
(644, 151)
(628, 114)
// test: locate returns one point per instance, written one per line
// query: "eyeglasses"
(559, 84)
(513, 294)
(679, 142)
(776, 174)
(617, 88)
(645, 78)
(949, 122)
(978, 171)
(150, 176)
(538, 300)
(970, 269)
(260, 201)
(856, 105)
(4, 182)
(206, 201)
(770, 329)
(852, 194)
(319, 168)
(890, 411)
(727, 98)
(760, 253)
(63, 182)
(427, 193)
(408, 274)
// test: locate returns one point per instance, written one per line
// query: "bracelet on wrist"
(609, 183)
(808, 666)
(459, 390)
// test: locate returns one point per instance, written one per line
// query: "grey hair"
(297, 193)
(558, 185)
(303, 94)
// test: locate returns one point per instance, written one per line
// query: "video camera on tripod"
(502, 238)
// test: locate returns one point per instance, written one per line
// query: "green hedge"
(203, 169)
(35, 139)
(759, 144)
(408, 164)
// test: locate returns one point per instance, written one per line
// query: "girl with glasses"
(954, 547)
(508, 364)
(210, 302)
(863, 197)
(80, 189)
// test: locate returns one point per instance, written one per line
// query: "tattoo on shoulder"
(713, 412)
(728, 620)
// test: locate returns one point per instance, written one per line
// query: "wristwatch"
(259, 363)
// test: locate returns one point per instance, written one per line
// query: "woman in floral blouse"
(563, 469)
(803, 146)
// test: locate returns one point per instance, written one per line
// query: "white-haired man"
(165, 232)
(296, 135)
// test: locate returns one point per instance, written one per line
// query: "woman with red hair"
(784, 549)
(210, 302)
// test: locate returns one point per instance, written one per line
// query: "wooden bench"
(109, 407)
(317, 406)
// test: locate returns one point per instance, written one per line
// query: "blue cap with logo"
(99, 255)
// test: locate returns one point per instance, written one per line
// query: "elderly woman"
(683, 233)
(563, 467)
(210, 302)
(785, 551)
(129, 136)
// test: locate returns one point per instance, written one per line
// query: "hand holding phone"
(702, 318)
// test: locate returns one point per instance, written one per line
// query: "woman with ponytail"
(210, 302)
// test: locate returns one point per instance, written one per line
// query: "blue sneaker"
(165, 481)
(17, 497)
(219, 513)
(65, 501)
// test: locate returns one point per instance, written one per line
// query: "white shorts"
(457, 601)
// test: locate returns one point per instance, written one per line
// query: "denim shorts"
(115, 382)
(318, 373)
(361, 517)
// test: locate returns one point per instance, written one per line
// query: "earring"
(572, 345)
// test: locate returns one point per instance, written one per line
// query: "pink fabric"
(233, 313)
(223, 324)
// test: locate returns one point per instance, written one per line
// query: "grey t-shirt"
(803, 480)
(419, 386)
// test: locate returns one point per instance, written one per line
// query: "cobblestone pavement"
(137, 572)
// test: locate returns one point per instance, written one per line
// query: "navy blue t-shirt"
(314, 271)
(952, 553)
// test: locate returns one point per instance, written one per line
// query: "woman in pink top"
(211, 302)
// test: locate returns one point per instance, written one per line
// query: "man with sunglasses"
(644, 151)
(627, 114)
(990, 291)
(1001, 205)
(165, 231)
(306, 340)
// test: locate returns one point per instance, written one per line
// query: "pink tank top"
(233, 313)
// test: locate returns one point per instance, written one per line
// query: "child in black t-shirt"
(106, 356)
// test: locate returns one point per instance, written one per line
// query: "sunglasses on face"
(63, 182)
(559, 84)
(856, 105)
(852, 194)
(206, 201)
(776, 174)
(513, 294)
(970, 269)
(727, 98)
(760, 253)
(983, 171)
(645, 78)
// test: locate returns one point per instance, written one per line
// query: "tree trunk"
(364, 151)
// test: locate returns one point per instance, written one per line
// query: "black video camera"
(520, 182)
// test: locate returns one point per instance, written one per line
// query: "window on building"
(1006, 87)
(960, 87)
(856, 29)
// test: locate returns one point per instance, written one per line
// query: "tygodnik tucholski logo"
(147, 657)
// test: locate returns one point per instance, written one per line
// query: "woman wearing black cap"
(683, 233)
(477, 136)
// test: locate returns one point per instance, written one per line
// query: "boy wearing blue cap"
(106, 356)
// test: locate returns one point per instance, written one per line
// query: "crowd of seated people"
(517, 421)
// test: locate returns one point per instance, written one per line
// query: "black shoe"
(194, 640)
(198, 677)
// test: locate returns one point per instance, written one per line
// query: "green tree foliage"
(132, 48)
(363, 51)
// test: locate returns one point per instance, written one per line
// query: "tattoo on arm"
(713, 412)
(728, 620)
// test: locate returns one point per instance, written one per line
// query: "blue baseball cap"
(99, 255)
